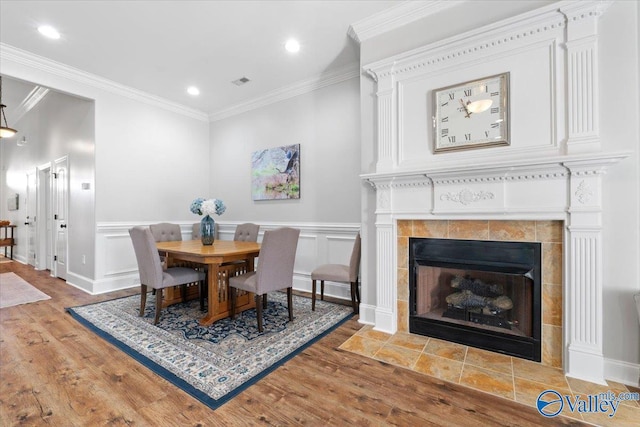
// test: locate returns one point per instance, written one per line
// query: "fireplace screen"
(479, 293)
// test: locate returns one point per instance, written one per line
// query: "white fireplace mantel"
(552, 169)
(567, 188)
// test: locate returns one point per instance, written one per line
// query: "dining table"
(223, 259)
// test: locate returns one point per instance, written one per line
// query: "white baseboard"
(367, 314)
(622, 372)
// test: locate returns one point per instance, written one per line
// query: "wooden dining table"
(223, 259)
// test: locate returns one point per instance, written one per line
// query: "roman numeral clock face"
(472, 114)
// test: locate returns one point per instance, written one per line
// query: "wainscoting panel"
(116, 266)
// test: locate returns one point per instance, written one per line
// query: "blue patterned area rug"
(217, 362)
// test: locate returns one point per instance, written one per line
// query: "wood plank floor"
(55, 372)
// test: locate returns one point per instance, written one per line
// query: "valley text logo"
(551, 403)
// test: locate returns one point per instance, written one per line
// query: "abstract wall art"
(275, 173)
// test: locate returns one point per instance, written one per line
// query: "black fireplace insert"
(485, 294)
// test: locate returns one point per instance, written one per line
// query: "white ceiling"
(161, 47)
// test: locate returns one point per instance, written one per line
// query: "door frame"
(43, 217)
(60, 217)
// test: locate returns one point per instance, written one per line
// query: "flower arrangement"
(209, 207)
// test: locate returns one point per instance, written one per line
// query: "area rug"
(217, 362)
(15, 291)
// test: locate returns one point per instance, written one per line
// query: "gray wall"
(325, 122)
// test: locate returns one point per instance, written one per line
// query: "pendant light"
(5, 130)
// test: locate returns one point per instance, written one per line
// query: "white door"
(30, 220)
(60, 216)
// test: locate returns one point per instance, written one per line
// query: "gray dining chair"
(339, 273)
(274, 272)
(152, 274)
(247, 232)
(165, 232)
(195, 231)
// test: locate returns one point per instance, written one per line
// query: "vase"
(207, 230)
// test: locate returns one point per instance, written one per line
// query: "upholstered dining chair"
(339, 273)
(274, 271)
(195, 231)
(152, 274)
(247, 232)
(165, 232)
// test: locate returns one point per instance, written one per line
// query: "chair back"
(149, 264)
(354, 263)
(276, 259)
(247, 232)
(166, 232)
(195, 231)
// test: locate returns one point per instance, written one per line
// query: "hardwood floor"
(55, 372)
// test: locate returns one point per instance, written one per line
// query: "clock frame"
(472, 114)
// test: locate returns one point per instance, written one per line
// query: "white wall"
(325, 122)
(151, 157)
(59, 125)
(150, 162)
(618, 79)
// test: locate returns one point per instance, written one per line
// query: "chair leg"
(354, 286)
(143, 298)
(357, 290)
(158, 305)
(183, 292)
(313, 295)
(322, 290)
(264, 301)
(232, 295)
(259, 311)
(290, 303)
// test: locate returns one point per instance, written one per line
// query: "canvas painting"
(275, 173)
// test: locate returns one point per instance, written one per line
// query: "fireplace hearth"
(485, 294)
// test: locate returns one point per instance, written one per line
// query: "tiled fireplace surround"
(549, 233)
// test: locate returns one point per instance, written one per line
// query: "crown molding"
(296, 89)
(35, 96)
(11, 53)
(397, 16)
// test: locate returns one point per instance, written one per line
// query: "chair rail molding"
(320, 243)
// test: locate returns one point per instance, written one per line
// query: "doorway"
(46, 220)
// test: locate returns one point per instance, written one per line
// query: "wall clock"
(472, 114)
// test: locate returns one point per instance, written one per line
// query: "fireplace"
(485, 294)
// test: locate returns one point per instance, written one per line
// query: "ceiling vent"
(241, 81)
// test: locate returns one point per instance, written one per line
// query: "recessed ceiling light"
(192, 90)
(49, 31)
(292, 45)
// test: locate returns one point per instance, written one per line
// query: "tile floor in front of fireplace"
(508, 377)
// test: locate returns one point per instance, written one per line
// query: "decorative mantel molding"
(557, 175)
(467, 196)
(552, 167)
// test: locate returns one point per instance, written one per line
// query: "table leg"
(213, 302)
